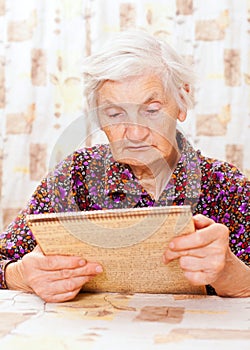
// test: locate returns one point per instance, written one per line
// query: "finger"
(207, 265)
(200, 271)
(51, 291)
(38, 249)
(170, 255)
(60, 297)
(201, 221)
(214, 251)
(200, 238)
(59, 262)
(199, 278)
(90, 269)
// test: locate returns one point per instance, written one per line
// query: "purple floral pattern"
(90, 179)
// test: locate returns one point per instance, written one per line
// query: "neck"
(155, 176)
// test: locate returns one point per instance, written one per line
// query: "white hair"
(136, 53)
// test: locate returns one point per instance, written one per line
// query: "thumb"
(38, 249)
(201, 221)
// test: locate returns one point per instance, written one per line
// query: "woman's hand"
(54, 278)
(203, 253)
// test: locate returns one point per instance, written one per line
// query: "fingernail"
(82, 262)
(197, 217)
(99, 269)
(171, 245)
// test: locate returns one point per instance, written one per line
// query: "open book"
(129, 243)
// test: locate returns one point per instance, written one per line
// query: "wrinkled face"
(138, 119)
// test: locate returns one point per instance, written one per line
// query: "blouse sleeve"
(53, 194)
(226, 199)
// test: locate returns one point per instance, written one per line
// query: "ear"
(182, 116)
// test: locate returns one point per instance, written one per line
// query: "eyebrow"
(149, 99)
(108, 102)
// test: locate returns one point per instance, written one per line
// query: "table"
(124, 321)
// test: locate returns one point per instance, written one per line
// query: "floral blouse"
(90, 179)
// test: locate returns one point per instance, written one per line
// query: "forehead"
(135, 90)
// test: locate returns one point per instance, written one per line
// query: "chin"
(141, 159)
(136, 162)
(130, 161)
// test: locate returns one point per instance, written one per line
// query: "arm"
(234, 279)
(18, 240)
(225, 198)
(53, 278)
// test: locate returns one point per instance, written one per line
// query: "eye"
(152, 109)
(114, 112)
(115, 115)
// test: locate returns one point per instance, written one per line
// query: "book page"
(128, 243)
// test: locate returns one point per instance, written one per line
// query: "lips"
(138, 148)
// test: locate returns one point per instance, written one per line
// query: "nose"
(135, 132)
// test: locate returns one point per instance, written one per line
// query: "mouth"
(139, 148)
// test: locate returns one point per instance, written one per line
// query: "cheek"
(114, 133)
(163, 141)
(164, 129)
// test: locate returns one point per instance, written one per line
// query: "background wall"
(42, 43)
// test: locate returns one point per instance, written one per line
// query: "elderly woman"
(138, 88)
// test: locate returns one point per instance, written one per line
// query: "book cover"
(128, 243)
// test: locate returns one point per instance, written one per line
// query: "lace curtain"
(42, 44)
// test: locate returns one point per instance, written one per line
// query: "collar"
(185, 181)
(119, 178)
